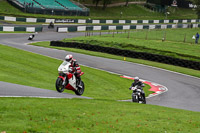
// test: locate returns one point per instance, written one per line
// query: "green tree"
(126, 2)
(197, 2)
(105, 3)
(96, 2)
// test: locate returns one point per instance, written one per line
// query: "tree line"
(197, 2)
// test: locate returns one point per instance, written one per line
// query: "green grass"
(82, 116)
(173, 35)
(102, 114)
(21, 67)
(173, 46)
(131, 12)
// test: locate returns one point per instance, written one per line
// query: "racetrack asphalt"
(15, 90)
(183, 91)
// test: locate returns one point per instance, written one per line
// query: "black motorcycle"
(137, 95)
(51, 25)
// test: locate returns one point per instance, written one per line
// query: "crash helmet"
(68, 58)
(136, 79)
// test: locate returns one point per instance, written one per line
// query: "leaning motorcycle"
(137, 95)
(67, 79)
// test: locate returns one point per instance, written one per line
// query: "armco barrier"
(124, 27)
(84, 21)
(18, 28)
(127, 53)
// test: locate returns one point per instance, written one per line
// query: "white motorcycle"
(67, 79)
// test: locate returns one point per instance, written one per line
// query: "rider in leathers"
(140, 85)
(74, 65)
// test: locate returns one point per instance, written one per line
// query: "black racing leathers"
(138, 83)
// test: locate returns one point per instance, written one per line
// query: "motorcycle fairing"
(72, 82)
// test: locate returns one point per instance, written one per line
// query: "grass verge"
(22, 67)
(138, 41)
(81, 115)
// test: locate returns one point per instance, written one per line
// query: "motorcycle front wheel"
(135, 98)
(80, 90)
(59, 87)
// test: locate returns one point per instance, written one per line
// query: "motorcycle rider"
(74, 65)
(51, 25)
(140, 84)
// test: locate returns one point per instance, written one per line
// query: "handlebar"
(135, 88)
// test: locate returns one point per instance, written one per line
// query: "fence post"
(147, 35)
(100, 33)
(185, 38)
(164, 36)
(128, 34)
(113, 33)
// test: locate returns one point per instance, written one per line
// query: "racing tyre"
(80, 89)
(59, 87)
(135, 98)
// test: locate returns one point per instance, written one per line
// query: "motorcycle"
(67, 79)
(51, 25)
(31, 37)
(137, 95)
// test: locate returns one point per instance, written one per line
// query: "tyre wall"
(127, 53)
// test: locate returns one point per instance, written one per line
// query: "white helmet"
(68, 58)
(136, 79)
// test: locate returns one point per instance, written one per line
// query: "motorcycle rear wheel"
(80, 90)
(59, 87)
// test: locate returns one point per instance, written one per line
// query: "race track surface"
(183, 91)
(14, 90)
